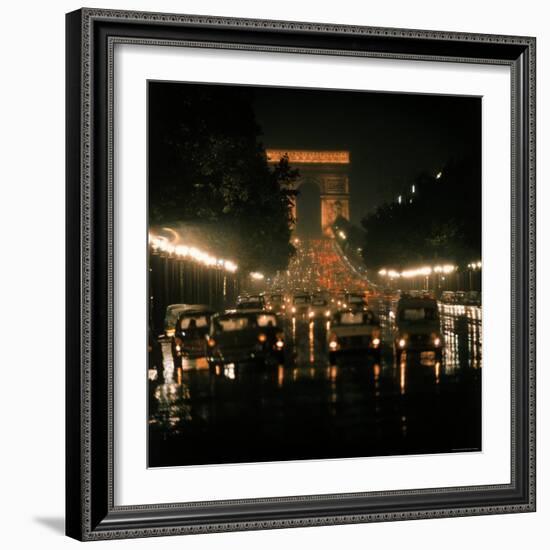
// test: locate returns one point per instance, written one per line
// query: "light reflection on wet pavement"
(308, 408)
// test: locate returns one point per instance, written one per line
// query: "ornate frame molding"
(91, 36)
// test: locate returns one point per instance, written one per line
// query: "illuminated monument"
(329, 171)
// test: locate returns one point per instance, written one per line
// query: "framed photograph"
(300, 274)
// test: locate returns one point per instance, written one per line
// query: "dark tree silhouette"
(207, 166)
(440, 221)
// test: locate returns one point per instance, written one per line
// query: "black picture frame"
(90, 510)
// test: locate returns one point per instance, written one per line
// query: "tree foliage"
(440, 221)
(208, 166)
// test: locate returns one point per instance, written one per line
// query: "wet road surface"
(308, 408)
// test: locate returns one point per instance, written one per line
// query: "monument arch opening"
(308, 210)
(331, 170)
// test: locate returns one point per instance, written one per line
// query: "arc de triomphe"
(330, 171)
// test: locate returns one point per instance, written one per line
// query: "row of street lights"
(419, 271)
(440, 273)
(162, 244)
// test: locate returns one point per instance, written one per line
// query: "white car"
(319, 308)
(418, 328)
(299, 306)
(171, 316)
(355, 332)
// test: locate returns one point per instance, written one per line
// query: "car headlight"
(178, 348)
(280, 344)
(333, 344)
(376, 342)
(293, 310)
(437, 341)
(402, 343)
(327, 313)
(311, 314)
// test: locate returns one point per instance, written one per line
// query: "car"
(460, 297)
(300, 304)
(245, 336)
(339, 298)
(417, 328)
(354, 332)
(249, 306)
(448, 297)
(472, 298)
(319, 308)
(191, 329)
(355, 301)
(259, 298)
(170, 318)
(276, 303)
(251, 302)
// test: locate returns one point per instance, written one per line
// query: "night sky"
(392, 137)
